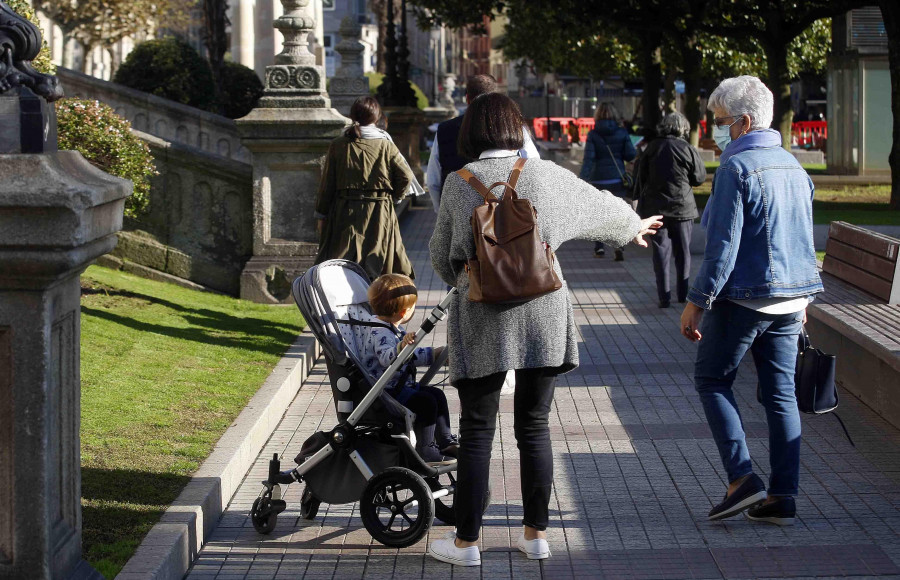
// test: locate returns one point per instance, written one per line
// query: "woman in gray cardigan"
(537, 338)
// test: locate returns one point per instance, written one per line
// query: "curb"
(172, 545)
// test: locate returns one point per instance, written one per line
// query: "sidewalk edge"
(172, 545)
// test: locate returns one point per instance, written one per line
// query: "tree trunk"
(670, 102)
(651, 67)
(779, 82)
(114, 60)
(86, 60)
(890, 12)
(215, 23)
(692, 59)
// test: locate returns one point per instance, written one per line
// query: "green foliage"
(164, 372)
(375, 80)
(172, 69)
(42, 63)
(242, 89)
(727, 56)
(569, 46)
(105, 139)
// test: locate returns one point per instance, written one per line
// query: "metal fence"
(533, 107)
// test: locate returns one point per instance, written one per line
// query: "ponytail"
(353, 131)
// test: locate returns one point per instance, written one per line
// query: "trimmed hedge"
(242, 89)
(375, 80)
(106, 141)
(172, 69)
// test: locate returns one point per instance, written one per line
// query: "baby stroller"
(369, 455)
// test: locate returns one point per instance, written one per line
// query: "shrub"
(242, 89)
(172, 69)
(106, 141)
(375, 80)
(42, 63)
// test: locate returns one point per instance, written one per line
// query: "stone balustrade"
(160, 117)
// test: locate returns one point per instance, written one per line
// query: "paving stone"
(636, 469)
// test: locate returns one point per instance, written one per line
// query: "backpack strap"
(484, 190)
(474, 182)
(516, 171)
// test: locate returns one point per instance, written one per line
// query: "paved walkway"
(636, 468)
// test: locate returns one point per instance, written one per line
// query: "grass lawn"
(164, 371)
(857, 204)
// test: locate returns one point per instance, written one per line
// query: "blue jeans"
(729, 331)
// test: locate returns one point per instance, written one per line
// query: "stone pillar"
(57, 214)
(288, 135)
(349, 81)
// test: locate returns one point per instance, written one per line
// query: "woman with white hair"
(665, 176)
(758, 275)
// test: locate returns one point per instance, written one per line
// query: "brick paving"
(636, 468)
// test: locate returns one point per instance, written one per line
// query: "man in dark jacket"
(444, 158)
(664, 177)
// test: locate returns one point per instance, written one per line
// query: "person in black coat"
(665, 176)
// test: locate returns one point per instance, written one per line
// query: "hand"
(648, 228)
(690, 322)
(320, 226)
(408, 338)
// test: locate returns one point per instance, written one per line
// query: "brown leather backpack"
(512, 264)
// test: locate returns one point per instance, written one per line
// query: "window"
(327, 4)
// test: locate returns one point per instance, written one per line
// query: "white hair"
(744, 95)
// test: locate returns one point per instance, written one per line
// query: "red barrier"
(809, 134)
(540, 126)
(585, 125)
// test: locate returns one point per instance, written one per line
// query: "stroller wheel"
(264, 514)
(443, 506)
(396, 507)
(309, 504)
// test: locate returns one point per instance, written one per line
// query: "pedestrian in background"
(664, 177)
(364, 176)
(758, 275)
(537, 338)
(445, 158)
(607, 148)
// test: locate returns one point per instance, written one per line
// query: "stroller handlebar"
(437, 314)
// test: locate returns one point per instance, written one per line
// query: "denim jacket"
(759, 228)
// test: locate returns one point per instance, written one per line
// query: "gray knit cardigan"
(489, 338)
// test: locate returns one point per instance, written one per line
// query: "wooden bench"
(858, 316)
(865, 259)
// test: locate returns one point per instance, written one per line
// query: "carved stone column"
(57, 214)
(288, 135)
(349, 81)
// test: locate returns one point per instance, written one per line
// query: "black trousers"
(618, 190)
(479, 401)
(432, 416)
(673, 238)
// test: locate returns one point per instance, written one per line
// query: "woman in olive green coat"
(365, 175)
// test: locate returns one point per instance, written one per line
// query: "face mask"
(722, 135)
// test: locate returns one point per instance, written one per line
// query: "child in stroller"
(368, 456)
(392, 298)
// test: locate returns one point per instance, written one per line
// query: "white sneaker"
(446, 551)
(537, 549)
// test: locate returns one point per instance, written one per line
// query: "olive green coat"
(361, 182)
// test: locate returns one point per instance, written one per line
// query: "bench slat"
(872, 242)
(858, 277)
(862, 259)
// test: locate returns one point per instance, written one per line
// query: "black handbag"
(814, 378)
(814, 385)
